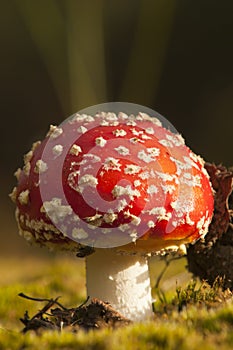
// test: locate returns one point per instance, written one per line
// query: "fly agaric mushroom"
(121, 187)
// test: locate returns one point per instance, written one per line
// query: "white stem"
(121, 280)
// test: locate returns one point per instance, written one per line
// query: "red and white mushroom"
(122, 185)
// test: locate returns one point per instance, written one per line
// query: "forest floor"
(188, 314)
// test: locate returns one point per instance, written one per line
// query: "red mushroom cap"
(108, 181)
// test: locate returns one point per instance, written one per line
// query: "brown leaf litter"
(93, 314)
(213, 256)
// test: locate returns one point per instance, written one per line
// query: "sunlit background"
(59, 56)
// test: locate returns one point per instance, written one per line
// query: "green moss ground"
(187, 315)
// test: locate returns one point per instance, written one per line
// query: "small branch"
(50, 301)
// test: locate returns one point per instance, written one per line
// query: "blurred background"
(60, 56)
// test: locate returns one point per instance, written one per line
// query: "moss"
(170, 335)
(191, 317)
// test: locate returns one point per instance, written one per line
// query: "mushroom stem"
(121, 280)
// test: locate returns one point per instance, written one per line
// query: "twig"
(53, 301)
